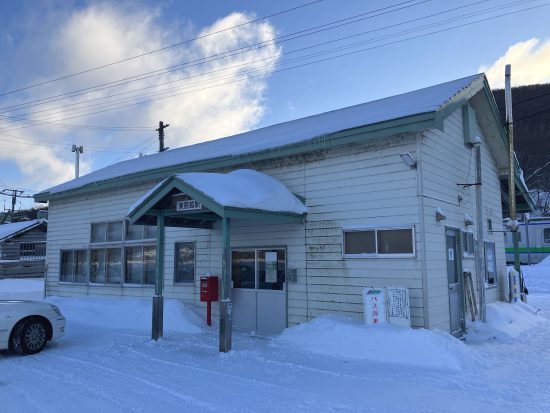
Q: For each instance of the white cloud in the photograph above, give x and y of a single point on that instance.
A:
(100, 34)
(530, 62)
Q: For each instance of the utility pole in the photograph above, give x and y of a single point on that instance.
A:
(77, 150)
(14, 194)
(511, 159)
(479, 243)
(160, 130)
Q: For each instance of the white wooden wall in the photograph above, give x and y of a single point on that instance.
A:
(446, 161)
(355, 185)
(360, 185)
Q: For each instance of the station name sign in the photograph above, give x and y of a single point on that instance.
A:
(188, 205)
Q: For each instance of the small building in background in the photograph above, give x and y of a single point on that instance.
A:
(23, 249)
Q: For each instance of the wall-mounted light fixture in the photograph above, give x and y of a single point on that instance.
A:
(440, 215)
(468, 220)
(408, 160)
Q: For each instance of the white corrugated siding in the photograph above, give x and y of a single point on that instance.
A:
(447, 161)
(365, 185)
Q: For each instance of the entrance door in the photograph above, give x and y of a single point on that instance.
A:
(259, 295)
(454, 266)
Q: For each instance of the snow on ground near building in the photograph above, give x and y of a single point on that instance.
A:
(107, 363)
(349, 338)
(537, 280)
(537, 277)
(22, 289)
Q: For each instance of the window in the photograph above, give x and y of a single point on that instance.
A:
(184, 263)
(468, 244)
(546, 235)
(489, 224)
(105, 265)
(490, 264)
(140, 264)
(119, 252)
(73, 266)
(106, 232)
(29, 251)
(140, 232)
(379, 242)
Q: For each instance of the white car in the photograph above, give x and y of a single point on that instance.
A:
(26, 326)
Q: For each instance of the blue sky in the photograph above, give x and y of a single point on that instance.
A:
(44, 40)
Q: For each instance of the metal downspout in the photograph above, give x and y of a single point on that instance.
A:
(419, 194)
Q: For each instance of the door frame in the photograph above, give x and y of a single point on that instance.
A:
(460, 276)
(256, 273)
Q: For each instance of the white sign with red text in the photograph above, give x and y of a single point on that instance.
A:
(374, 304)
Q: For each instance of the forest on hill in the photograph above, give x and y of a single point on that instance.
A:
(531, 112)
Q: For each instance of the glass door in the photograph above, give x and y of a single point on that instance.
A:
(258, 294)
(271, 269)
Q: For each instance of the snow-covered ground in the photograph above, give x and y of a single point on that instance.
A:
(107, 363)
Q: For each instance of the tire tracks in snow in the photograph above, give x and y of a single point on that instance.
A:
(162, 389)
(55, 374)
(279, 389)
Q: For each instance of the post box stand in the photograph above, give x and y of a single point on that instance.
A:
(209, 293)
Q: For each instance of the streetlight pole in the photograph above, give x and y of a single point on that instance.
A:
(77, 150)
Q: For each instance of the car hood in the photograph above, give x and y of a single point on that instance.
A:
(10, 304)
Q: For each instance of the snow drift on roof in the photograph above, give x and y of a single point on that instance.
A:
(243, 188)
(412, 103)
(8, 230)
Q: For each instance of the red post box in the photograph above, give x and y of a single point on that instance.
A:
(209, 293)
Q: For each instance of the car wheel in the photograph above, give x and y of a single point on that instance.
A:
(29, 337)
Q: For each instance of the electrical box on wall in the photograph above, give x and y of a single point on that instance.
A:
(291, 275)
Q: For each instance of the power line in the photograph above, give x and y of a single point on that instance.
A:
(51, 144)
(50, 124)
(532, 115)
(134, 149)
(161, 49)
(322, 60)
(226, 54)
(287, 53)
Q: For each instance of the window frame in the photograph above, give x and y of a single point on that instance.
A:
(106, 245)
(176, 256)
(465, 252)
(73, 273)
(138, 241)
(142, 246)
(377, 254)
(544, 239)
(105, 248)
(25, 249)
(485, 266)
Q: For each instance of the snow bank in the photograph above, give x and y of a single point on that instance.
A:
(505, 321)
(126, 313)
(349, 338)
(22, 289)
(537, 277)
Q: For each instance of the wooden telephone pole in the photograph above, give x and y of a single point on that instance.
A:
(160, 130)
(14, 193)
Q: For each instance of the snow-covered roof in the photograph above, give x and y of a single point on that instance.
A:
(8, 231)
(408, 104)
(243, 188)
